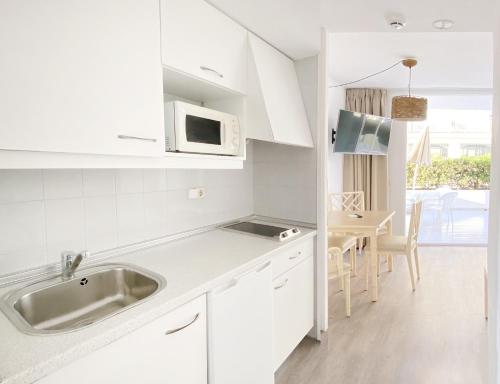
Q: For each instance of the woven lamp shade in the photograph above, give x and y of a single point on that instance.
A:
(409, 108)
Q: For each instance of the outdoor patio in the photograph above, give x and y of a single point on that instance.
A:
(452, 216)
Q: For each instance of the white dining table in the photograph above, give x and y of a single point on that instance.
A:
(367, 224)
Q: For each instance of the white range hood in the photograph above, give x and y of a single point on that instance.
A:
(275, 111)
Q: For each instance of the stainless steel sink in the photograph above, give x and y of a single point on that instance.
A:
(95, 293)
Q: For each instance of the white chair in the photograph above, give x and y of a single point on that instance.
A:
(345, 243)
(442, 207)
(337, 269)
(346, 201)
(391, 245)
(351, 202)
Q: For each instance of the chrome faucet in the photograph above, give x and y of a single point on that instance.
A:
(70, 262)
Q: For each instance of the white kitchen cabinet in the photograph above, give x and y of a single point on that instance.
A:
(240, 329)
(171, 349)
(275, 109)
(199, 40)
(81, 77)
(293, 308)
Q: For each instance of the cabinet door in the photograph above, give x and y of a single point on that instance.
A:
(240, 330)
(281, 97)
(75, 75)
(293, 309)
(200, 40)
(171, 349)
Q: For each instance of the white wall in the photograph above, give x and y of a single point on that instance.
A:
(494, 221)
(285, 176)
(336, 101)
(396, 161)
(43, 212)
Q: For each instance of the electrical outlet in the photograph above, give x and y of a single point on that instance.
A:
(197, 193)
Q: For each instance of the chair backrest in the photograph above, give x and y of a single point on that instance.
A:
(414, 228)
(346, 201)
(448, 199)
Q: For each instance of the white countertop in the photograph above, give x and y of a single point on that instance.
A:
(192, 266)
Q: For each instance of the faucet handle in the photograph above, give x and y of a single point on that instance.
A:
(67, 256)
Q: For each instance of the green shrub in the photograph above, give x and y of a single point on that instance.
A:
(461, 173)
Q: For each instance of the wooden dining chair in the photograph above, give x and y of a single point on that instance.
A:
(345, 243)
(350, 202)
(339, 270)
(391, 245)
(347, 201)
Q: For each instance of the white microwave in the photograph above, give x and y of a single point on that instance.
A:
(194, 129)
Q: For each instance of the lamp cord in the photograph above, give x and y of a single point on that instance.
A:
(409, 85)
(367, 77)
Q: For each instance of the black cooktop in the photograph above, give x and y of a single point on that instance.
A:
(264, 230)
(258, 229)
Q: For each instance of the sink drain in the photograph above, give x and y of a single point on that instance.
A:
(84, 281)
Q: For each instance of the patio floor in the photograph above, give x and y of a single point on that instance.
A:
(463, 220)
(465, 226)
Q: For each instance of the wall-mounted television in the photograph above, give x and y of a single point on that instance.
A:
(362, 134)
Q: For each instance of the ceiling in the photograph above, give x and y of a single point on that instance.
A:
(293, 26)
(373, 16)
(445, 60)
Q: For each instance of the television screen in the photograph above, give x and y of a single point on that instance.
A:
(360, 133)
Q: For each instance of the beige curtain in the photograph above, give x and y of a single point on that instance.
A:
(365, 172)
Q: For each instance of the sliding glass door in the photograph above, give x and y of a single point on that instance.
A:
(451, 173)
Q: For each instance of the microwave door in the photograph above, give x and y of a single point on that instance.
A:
(202, 135)
(200, 130)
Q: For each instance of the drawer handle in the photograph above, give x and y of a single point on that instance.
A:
(126, 137)
(281, 285)
(262, 267)
(203, 68)
(294, 257)
(171, 331)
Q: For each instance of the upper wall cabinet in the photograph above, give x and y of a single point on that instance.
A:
(81, 77)
(275, 110)
(200, 41)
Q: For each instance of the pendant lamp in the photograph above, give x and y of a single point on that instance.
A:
(409, 108)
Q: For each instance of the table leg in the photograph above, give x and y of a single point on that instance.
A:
(373, 267)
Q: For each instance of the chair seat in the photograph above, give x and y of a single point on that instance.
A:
(341, 242)
(391, 243)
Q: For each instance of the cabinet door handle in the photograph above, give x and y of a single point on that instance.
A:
(208, 69)
(281, 285)
(126, 137)
(170, 331)
(230, 285)
(262, 267)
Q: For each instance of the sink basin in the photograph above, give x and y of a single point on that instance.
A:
(95, 293)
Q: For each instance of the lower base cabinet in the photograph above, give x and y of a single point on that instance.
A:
(171, 349)
(293, 308)
(240, 329)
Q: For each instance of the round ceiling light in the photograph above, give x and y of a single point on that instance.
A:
(443, 24)
(397, 24)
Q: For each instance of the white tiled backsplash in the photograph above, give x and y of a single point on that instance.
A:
(285, 181)
(43, 212)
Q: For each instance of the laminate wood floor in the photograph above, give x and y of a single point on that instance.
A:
(436, 334)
